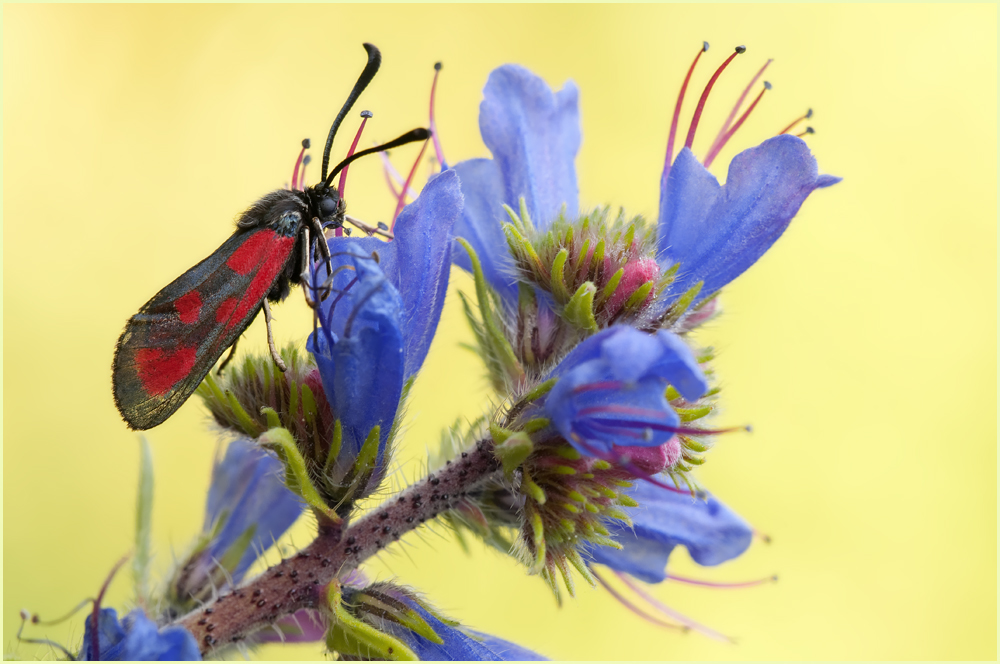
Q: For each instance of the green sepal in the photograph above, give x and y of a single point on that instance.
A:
(379, 604)
(297, 478)
(527, 311)
(529, 487)
(515, 448)
(336, 440)
(638, 296)
(535, 425)
(350, 636)
(579, 311)
(693, 445)
(692, 414)
(556, 283)
(273, 420)
(539, 390)
(597, 260)
(246, 423)
(498, 343)
(538, 539)
(143, 523)
(525, 217)
(678, 308)
(612, 285)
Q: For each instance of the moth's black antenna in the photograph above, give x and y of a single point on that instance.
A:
(409, 137)
(374, 62)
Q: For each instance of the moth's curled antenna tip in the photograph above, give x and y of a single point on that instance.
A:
(437, 66)
(767, 85)
(306, 159)
(367, 114)
(305, 143)
(741, 49)
(809, 114)
(704, 46)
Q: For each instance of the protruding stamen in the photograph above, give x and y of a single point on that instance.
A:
(797, 120)
(433, 123)
(704, 96)
(679, 617)
(392, 177)
(95, 617)
(809, 130)
(677, 114)
(729, 134)
(736, 108)
(298, 163)
(712, 584)
(632, 607)
(401, 200)
(354, 146)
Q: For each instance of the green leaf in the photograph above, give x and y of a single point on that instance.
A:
(143, 523)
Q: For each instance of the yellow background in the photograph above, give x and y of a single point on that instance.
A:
(861, 347)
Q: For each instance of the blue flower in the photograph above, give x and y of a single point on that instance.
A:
(248, 508)
(715, 232)
(459, 644)
(377, 325)
(710, 531)
(611, 390)
(137, 638)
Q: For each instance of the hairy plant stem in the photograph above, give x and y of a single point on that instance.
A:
(298, 582)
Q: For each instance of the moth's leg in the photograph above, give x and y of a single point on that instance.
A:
(232, 352)
(306, 276)
(324, 249)
(270, 338)
(380, 229)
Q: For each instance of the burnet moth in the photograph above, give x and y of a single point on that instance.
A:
(169, 347)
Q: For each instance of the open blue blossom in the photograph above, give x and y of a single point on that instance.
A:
(248, 508)
(715, 232)
(136, 638)
(376, 327)
(710, 531)
(460, 644)
(611, 389)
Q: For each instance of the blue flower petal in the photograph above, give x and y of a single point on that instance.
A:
(247, 486)
(359, 354)
(136, 638)
(534, 135)
(711, 532)
(480, 224)
(716, 233)
(417, 261)
(462, 645)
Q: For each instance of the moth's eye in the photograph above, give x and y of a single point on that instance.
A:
(327, 206)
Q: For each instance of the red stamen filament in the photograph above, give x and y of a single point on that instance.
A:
(807, 115)
(600, 385)
(298, 163)
(677, 114)
(712, 584)
(736, 108)
(401, 201)
(704, 97)
(809, 130)
(433, 123)
(632, 607)
(713, 153)
(357, 137)
(679, 617)
(393, 177)
(95, 617)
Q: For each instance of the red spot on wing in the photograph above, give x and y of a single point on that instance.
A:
(225, 310)
(160, 370)
(261, 283)
(252, 252)
(189, 307)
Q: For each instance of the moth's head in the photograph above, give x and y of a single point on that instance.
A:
(326, 204)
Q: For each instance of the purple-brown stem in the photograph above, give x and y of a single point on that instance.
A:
(298, 582)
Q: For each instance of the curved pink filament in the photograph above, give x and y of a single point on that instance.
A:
(713, 584)
(438, 152)
(736, 108)
(401, 201)
(295, 173)
(729, 134)
(677, 113)
(704, 97)
(679, 617)
(354, 146)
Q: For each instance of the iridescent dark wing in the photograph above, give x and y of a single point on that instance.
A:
(176, 338)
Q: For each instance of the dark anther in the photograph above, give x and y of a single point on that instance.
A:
(305, 143)
(435, 481)
(203, 621)
(437, 67)
(367, 114)
(387, 529)
(741, 49)
(209, 627)
(351, 540)
(257, 593)
(261, 603)
(383, 516)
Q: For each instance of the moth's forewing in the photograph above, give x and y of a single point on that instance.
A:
(176, 338)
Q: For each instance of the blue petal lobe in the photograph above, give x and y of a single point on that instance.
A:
(247, 487)
(716, 233)
(136, 638)
(481, 225)
(462, 645)
(534, 135)
(711, 532)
